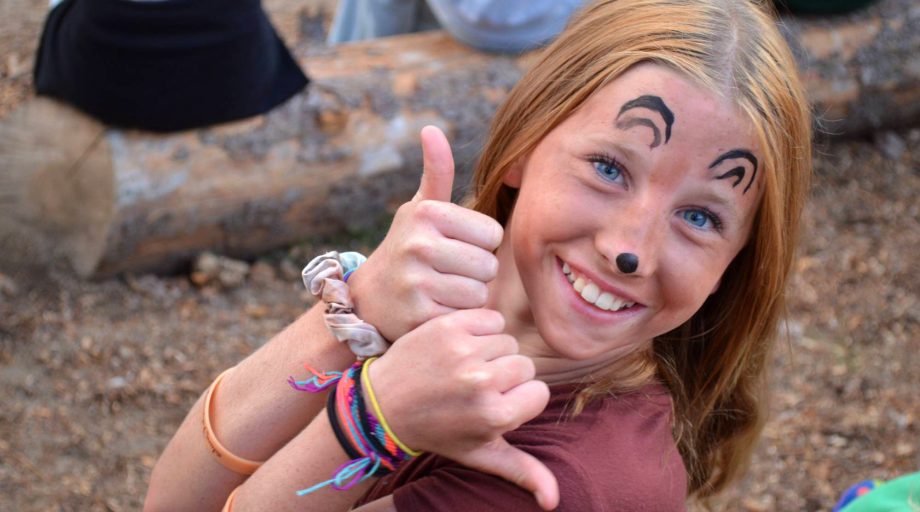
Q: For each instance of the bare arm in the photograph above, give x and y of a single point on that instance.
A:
(255, 413)
(452, 386)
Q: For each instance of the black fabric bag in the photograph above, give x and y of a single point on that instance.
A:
(165, 66)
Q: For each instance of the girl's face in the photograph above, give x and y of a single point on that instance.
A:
(653, 166)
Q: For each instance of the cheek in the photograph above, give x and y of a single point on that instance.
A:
(690, 281)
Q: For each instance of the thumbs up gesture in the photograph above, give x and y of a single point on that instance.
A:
(454, 386)
(436, 258)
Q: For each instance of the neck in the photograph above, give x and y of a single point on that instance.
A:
(508, 297)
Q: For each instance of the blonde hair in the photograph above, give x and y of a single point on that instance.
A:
(714, 364)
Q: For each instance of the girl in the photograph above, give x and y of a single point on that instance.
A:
(596, 328)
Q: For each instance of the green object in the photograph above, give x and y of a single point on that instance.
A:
(822, 6)
(900, 494)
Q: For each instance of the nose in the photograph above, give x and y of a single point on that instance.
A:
(627, 262)
(631, 240)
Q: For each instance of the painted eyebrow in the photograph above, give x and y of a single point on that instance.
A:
(652, 103)
(736, 172)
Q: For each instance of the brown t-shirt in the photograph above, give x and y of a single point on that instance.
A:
(617, 455)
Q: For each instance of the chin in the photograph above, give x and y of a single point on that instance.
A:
(576, 347)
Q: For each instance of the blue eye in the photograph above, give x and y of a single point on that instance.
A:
(703, 219)
(607, 168)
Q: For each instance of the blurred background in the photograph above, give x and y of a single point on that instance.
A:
(136, 266)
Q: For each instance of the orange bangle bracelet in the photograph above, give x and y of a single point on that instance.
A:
(228, 460)
(228, 507)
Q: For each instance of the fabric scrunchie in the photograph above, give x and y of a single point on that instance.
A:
(324, 277)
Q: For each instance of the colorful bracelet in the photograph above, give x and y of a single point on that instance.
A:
(325, 277)
(379, 414)
(230, 461)
(361, 431)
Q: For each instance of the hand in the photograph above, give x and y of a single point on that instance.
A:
(436, 258)
(454, 385)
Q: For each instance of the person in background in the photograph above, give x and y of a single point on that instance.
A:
(508, 26)
(164, 65)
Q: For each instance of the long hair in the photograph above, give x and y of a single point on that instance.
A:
(714, 364)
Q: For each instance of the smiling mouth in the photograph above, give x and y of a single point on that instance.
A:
(592, 294)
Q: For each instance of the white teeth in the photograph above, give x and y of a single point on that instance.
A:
(590, 292)
(604, 301)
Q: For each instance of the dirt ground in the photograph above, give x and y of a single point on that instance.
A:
(95, 377)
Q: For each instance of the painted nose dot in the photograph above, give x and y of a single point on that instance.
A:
(627, 262)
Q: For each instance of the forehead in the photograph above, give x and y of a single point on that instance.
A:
(666, 122)
(699, 115)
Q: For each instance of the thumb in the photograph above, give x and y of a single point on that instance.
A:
(518, 467)
(438, 166)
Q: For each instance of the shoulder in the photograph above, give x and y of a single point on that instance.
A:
(618, 455)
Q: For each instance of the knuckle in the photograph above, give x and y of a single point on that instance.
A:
(421, 248)
(512, 346)
(480, 294)
(527, 369)
(492, 318)
(496, 417)
(498, 232)
(460, 350)
(427, 209)
(477, 381)
(449, 323)
(490, 267)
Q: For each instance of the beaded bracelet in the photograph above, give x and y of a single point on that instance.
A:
(325, 276)
(230, 461)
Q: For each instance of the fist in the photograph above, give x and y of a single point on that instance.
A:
(436, 258)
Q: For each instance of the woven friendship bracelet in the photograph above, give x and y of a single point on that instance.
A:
(359, 428)
(324, 276)
(389, 435)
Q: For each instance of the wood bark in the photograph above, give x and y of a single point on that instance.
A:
(343, 153)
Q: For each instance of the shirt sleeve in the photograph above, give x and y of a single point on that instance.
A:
(454, 488)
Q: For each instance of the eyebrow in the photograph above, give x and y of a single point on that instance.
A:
(736, 172)
(651, 103)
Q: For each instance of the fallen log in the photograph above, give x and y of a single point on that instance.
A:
(333, 158)
(343, 153)
(862, 70)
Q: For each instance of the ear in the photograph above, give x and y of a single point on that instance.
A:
(515, 174)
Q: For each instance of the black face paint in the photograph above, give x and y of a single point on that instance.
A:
(627, 262)
(652, 103)
(737, 172)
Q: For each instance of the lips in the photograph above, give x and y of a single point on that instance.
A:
(591, 293)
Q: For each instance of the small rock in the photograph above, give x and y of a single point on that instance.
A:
(116, 383)
(262, 273)
(891, 145)
(227, 272)
(16, 66)
(8, 287)
(914, 135)
(289, 270)
(256, 310)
